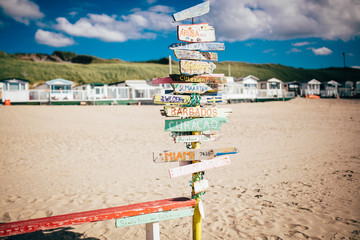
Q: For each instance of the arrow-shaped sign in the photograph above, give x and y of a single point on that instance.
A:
(196, 124)
(189, 67)
(192, 12)
(201, 32)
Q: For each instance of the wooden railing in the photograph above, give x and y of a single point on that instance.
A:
(122, 212)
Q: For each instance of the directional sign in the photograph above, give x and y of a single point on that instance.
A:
(196, 124)
(195, 11)
(205, 78)
(189, 67)
(200, 186)
(153, 217)
(171, 99)
(214, 46)
(197, 138)
(200, 166)
(196, 112)
(191, 88)
(200, 32)
(195, 55)
(191, 154)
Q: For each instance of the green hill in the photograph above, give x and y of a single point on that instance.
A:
(39, 68)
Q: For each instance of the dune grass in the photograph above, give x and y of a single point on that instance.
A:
(111, 72)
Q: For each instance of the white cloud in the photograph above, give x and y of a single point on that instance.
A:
(21, 10)
(294, 50)
(321, 51)
(300, 44)
(356, 67)
(151, 1)
(238, 20)
(52, 39)
(268, 50)
(137, 25)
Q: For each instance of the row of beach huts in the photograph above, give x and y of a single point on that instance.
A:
(249, 88)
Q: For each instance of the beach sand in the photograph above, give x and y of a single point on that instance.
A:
(296, 176)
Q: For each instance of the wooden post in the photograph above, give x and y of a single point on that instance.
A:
(170, 70)
(197, 215)
(153, 231)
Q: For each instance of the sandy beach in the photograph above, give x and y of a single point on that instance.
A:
(296, 176)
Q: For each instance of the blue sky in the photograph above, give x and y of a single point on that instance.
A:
(297, 33)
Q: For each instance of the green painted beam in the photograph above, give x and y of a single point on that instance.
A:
(153, 217)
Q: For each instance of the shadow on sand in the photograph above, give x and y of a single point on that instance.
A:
(55, 234)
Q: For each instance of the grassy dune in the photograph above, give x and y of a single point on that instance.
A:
(110, 72)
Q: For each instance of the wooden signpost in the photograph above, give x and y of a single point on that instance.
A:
(200, 166)
(171, 111)
(205, 78)
(194, 124)
(189, 67)
(214, 46)
(192, 121)
(195, 55)
(195, 11)
(191, 154)
(200, 32)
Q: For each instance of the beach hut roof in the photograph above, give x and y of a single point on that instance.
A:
(138, 84)
(17, 80)
(314, 81)
(251, 77)
(59, 81)
(274, 80)
(333, 82)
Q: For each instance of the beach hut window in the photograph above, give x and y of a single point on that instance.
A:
(139, 93)
(22, 86)
(13, 86)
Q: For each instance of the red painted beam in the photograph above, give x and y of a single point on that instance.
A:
(33, 225)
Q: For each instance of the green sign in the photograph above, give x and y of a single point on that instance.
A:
(194, 125)
(153, 217)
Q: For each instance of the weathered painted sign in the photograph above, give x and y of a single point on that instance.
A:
(153, 217)
(197, 138)
(171, 99)
(214, 46)
(200, 32)
(183, 88)
(189, 67)
(200, 166)
(192, 12)
(196, 124)
(205, 78)
(196, 112)
(200, 186)
(195, 55)
(191, 154)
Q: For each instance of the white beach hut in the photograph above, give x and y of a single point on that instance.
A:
(250, 84)
(91, 91)
(140, 90)
(347, 89)
(313, 87)
(14, 89)
(60, 89)
(271, 88)
(233, 90)
(329, 89)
